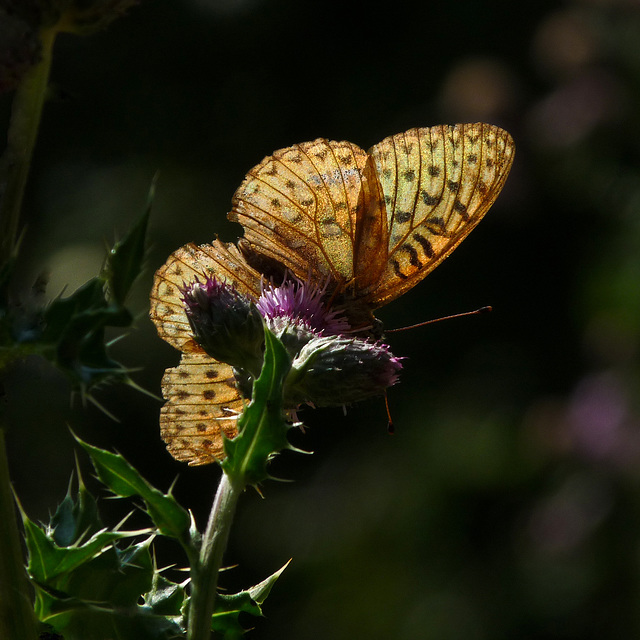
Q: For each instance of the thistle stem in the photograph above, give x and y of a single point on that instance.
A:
(204, 576)
(17, 620)
(26, 114)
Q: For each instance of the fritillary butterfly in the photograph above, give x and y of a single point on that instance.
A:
(370, 225)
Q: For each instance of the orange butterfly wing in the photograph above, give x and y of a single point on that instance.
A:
(436, 184)
(370, 226)
(300, 207)
(202, 399)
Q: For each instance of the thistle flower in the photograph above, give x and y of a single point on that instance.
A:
(295, 302)
(328, 367)
(225, 324)
(336, 370)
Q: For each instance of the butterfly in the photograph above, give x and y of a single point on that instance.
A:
(368, 225)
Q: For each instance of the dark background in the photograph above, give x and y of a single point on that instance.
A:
(507, 504)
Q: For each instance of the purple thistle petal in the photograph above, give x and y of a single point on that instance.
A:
(302, 303)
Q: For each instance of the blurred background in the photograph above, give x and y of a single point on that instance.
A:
(507, 504)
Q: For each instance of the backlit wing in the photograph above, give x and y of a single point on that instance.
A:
(218, 259)
(202, 399)
(299, 207)
(436, 185)
(202, 405)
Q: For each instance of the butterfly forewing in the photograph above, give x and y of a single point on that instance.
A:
(184, 266)
(437, 183)
(299, 207)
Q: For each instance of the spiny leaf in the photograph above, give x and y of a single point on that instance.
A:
(226, 615)
(77, 518)
(124, 263)
(165, 597)
(125, 481)
(262, 427)
(47, 559)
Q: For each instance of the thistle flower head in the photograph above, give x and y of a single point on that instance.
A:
(225, 323)
(337, 370)
(328, 367)
(295, 302)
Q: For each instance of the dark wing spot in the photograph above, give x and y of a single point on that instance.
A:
(387, 199)
(273, 170)
(201, 426)
(182, 395)
(183, 374)
(211, 373)
(453, 186)
(461, 209)
(297, 159)
(275, 203)
(489, 162)
(341, 206)
(290, 184)
(437, 226)
(472, 158)
(321, 155)
(387, 173)
(429, 200)
(209, 394)
(413, 255)
(345, 160)
(433, 170)
(409, 175)
(425, 244)
(306, 203)
(402, 216)
(396, 270)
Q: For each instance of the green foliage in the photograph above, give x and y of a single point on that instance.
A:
(229, 607)
(70, 331)
(125, 481)
(95, 583)
(87, 585)
(262, 428)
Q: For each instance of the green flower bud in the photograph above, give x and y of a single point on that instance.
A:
(225, 324)
(336, 370)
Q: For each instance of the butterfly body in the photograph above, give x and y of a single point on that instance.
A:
(366, 226)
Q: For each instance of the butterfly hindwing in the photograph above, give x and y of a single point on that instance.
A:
(202, 405)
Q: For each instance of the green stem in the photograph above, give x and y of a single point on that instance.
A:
(21, 139)
(17, 620)
(204, 576)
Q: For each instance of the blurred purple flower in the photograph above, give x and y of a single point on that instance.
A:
(600, 421)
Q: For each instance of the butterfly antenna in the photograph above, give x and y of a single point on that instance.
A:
(390, 428)
(476, 312)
